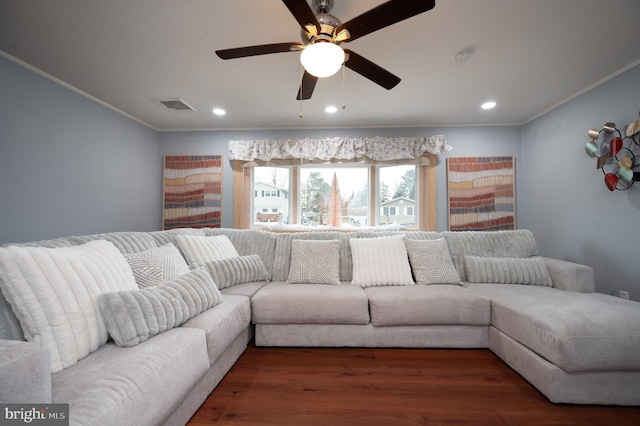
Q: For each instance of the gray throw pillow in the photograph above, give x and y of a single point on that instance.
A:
(157, 265)
(315, 262)
(236, 270)
(431, 262)
(507, 270)
(134, 316)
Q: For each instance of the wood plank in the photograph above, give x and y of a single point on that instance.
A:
(362, 386)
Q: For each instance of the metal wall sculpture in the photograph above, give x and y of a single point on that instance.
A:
(618, 157)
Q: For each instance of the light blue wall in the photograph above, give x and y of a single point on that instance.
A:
(566, 204)
(467, 141)
(70, 166)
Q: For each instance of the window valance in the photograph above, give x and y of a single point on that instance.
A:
(338, 148)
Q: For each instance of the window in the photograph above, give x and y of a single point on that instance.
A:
(316, 185)
(398, 188)
(389, 211)
(369, 194)
(270, 179)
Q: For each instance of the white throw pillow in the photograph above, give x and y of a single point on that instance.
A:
(315, 262)
(431, 262)
(157, 265)
(54, 291)
(380, 261)
(197, 249)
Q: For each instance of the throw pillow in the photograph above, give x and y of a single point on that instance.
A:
(315, 262)
(53, 293)
(431, 262)
(197, 249)
(134, 316)
(380, 261)
(507, 270)
(157, 265)
(237, 270)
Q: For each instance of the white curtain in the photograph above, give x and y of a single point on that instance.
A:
(328, 149)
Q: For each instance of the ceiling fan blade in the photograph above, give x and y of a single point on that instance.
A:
(301, 10)
(262, 49)
(369, 70)
(306, 86)
(382, 16)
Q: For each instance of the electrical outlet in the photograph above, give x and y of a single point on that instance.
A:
(624, 294)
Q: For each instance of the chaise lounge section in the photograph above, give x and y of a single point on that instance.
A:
(485, 290)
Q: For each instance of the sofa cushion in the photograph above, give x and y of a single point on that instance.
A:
(250, 241)
(380, 261)
(24, 373)
(156, 265)
(134, 316)
(236, 270)
(126, 242)
(246, 289)
(53, 293)
(519, 243)
(575, 331)
(222, 324)
(507, 270)
(314, 262)
(431, 262)
(427, 305)
(198, 250)
(169, 235)
(115, 385)
(280, 303)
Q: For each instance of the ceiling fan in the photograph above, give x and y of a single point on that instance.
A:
(323, 33)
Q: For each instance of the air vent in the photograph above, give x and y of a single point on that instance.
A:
(176, 105)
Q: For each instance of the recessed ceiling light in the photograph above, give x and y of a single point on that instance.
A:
(219, 111)
(488, 105)
(330, 109)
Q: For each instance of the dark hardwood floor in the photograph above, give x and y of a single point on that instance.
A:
(347, 386)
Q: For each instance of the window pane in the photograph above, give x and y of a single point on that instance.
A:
(272, 183)
(315, 194)
(397, 195)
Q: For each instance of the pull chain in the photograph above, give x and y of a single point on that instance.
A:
(344, 90)
(301, 89)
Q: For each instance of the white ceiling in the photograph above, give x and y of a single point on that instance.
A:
(528, 56)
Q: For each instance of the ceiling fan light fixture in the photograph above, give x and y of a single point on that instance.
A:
(322, 59)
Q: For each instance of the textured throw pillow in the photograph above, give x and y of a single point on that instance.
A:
(157, 265)
(380, 261)
(315, 262)
(134, 316)
(431, 262)
(53, 293)
(198, 249)
(237, 270)
(507, 270)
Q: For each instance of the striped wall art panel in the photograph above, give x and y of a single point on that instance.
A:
(481, 193)
(192, 191)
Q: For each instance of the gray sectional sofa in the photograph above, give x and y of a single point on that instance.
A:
(572, 344)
